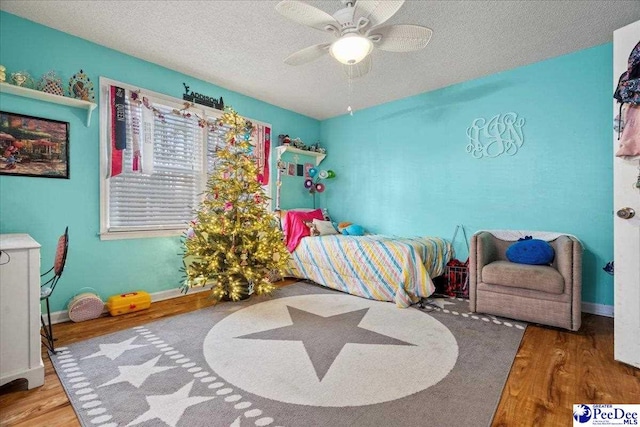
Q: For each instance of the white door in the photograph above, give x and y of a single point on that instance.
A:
(626, 224)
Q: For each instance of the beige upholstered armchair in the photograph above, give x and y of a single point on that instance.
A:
(550, 295)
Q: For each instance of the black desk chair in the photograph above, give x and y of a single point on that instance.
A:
(47, 287)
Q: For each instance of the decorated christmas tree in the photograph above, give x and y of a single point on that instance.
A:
(234, 244)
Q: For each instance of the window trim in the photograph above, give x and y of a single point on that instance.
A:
(105, 233)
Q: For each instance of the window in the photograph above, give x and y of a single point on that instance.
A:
(159, 198)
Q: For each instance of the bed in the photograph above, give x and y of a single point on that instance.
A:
(372, 266)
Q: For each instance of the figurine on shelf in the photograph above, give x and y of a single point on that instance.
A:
(81, 87)
(51, 83)
(297, 143)
(22, 78)
(286, 141)
(3, 74)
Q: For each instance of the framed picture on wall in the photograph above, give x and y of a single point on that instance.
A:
(33, 146)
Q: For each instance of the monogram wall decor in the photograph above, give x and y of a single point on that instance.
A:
(501, 134)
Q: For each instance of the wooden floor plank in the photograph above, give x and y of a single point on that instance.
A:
(59, 417)
(555, 369)
(552, 370)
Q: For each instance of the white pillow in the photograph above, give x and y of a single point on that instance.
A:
(324, 227)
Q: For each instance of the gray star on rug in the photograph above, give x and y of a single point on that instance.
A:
(319, 337)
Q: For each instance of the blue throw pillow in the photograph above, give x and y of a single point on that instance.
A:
(531, 251)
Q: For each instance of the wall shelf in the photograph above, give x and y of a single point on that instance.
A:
(48, 97)
(319, 157)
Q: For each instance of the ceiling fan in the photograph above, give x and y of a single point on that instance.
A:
(357, 28)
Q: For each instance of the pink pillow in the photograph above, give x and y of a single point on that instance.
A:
(296, 229)
(283, 218)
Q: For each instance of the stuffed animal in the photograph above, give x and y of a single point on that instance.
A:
(297, 143)
(341, 226)
(284, 140)
(353, 230)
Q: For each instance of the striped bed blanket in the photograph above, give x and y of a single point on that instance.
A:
(372, 266)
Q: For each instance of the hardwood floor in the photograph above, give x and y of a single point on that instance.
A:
(553, 370)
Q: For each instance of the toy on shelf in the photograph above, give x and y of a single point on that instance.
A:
(51, 83)
(23, 79)
(284, 140)
(81, 87)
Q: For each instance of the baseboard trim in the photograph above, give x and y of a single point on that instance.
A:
(599, 309)
(63, 315)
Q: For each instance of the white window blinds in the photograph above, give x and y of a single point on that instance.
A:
(166, 198)
(215, 141)
(160, 198)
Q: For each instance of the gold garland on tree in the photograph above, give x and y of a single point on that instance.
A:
(235, 244)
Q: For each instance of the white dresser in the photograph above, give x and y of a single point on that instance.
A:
(20, 355)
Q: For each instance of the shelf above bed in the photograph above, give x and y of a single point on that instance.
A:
(318, 157)
(48, 97)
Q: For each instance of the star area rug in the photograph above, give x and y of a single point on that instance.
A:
(307, 356)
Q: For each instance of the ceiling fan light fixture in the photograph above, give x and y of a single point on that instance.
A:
(351, 48)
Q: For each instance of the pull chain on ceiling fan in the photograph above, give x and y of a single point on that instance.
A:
(357, 28)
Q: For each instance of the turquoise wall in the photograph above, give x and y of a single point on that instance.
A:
(43, 207)
(403, 169)
(293, 194)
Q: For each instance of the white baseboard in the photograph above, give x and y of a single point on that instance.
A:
(599, 309)
(63, 315)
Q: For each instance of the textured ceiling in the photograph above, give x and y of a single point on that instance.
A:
(240, 45)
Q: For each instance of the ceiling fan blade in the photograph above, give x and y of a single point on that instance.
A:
(307, 54)
(358, 70)
(401, 38)
(306, 14)
(377, 12)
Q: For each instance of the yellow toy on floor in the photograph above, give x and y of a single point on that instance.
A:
(128, 303)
